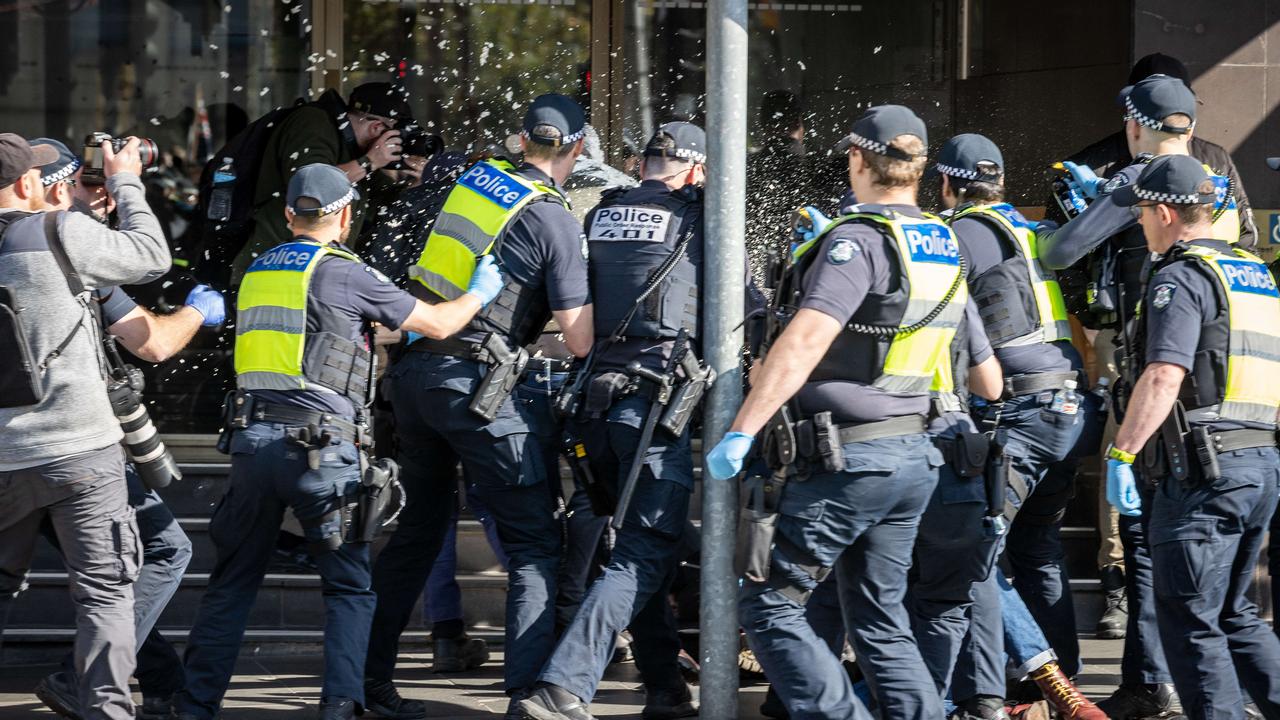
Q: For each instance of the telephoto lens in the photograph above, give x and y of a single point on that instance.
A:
(142, 443)
(92, 173)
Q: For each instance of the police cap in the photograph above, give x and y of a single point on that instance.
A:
(325, 187)
(680, 140)
(557, 111)
(970, 157)
(64, 167)
(382, 99)
(1171, 180)
(17, 157)
(879, 126)
(1151, 100)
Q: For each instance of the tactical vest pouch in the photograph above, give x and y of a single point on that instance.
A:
(1101, 292)
(1005, 302)
(602, 391)
(338, 364)
(968, 453)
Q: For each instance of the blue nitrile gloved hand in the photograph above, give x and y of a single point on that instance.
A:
(486, 281)
(1085, 178)
(1122, 488)
(725, 459)
(820, 223)
(209, 303)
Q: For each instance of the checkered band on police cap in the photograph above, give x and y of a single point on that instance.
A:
(1131, 112)
(958, 172)
(1164, 197)
(62, 174)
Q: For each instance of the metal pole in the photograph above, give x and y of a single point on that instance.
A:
(724, 293)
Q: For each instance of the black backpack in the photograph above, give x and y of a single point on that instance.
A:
(21, 374)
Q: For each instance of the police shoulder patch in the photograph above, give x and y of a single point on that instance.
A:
(842, 250)
(586, 253)
(1115, 183)
(376, 273)
(1162, 295)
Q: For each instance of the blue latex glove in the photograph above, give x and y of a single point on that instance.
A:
(725, 459)
(486, 281)
(820, 223)
(1122, 489)
(209, 303)
(1084, 178)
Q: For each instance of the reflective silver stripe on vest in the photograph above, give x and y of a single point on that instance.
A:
(904, 383)
(1249, 412)
(269, 381)
(463, 230)
(1254, 344)
(436, 282)
(1042, 335)
(271, 317)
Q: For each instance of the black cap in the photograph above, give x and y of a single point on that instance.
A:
(382, 99)
(1155, 98)
(64, 167)
(325, 186)
(879, 126)
(558, 111)
(1172, 180)
(1158, 64)
(17, 157)
(681, 140)
(970, 157)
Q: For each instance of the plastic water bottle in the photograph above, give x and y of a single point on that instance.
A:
(1066, 401)
(224, 182)
(1102, 389)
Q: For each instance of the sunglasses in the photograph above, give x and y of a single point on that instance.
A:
(1136, 210)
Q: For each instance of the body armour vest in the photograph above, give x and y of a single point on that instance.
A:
(273, 350)
(1019, 299)
(631, 234)
(873, 348)
(479, 209)
(1237, 359)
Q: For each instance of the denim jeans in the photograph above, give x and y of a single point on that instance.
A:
(1205, 539)
(268, 474)
(862, 522)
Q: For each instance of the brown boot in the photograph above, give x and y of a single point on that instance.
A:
(1063, 696)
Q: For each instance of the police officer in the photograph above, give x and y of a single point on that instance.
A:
(519, 213)
(843, 365)
(301, 369)
(1200, 427)
(633, 234)
(1026, 319)
(1160, 119)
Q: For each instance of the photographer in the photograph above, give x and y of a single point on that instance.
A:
(358, 137)
(59, 455)
(166, 550)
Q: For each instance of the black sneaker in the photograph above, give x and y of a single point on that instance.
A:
(981, 707)
(156, 707)
(1140, 702)
(550, 702)
(1115, 617)
(382, 699)
(458, 654)
(669, 704)
(60, 695)
(337, 709)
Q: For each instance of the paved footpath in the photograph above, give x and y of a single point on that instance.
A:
(280, 688)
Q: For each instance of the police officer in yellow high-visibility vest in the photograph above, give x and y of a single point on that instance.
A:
(450, 403)
(301, 361)
(1025, 318)
(880, 295)
(1200, 427)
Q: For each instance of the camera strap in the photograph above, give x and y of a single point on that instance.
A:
(74, 283)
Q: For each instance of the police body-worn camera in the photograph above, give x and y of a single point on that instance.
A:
(92, 173)
(142, 443)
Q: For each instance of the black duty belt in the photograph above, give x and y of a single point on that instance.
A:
(1228, 440)
(893, 427)
(452, 347)
(1027, 384)
(548, 365)
(301, 417)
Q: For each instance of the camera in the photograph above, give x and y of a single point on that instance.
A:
(416, 141)
(142, 443)
(92, 173)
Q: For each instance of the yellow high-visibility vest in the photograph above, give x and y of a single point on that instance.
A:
(271, 319)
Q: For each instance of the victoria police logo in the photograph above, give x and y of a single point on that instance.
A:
(1248, 277)
(842, 251)
(931, 243)
(1115, 184)
(1162, 295)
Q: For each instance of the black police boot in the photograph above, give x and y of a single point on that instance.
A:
(337, 709)
(669, 704)
(550, 702)
(772, 706)
(981, 707)
(382, 698)
(1140, 702)
(156, 707)
(60, 695)
(458, 654)
(1115, 618)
